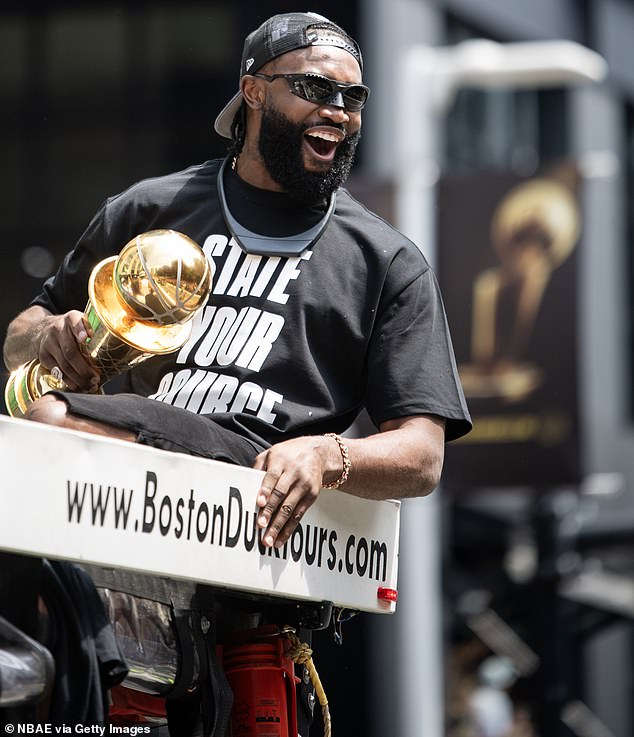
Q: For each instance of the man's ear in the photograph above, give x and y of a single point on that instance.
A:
(252, 92)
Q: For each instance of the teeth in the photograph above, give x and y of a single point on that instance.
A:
(325, 136)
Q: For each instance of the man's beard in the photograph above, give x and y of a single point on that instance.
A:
(280, 146)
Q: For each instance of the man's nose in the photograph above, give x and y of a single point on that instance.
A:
(334, 109)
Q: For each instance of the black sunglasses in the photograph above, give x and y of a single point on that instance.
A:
(318, 89)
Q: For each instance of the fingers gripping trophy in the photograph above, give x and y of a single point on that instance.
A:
(140, 304)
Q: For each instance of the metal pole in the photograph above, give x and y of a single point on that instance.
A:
(419, 632)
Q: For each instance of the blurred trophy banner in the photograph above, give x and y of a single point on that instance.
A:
(140, 304)
(534, 229)
(508, 249)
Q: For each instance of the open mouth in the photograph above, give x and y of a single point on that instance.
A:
(323, 142)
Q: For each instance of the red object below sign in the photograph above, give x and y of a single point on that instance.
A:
(262, 678)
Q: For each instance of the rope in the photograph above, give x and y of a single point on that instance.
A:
(300, 653)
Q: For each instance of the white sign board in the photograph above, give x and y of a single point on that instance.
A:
(82, 497)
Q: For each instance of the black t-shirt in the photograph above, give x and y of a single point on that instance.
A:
(285, 346)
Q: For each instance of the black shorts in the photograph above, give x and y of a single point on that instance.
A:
(163, 426)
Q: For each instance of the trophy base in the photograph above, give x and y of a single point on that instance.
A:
(26, 384)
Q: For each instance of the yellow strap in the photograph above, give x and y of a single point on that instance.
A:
(300, 653)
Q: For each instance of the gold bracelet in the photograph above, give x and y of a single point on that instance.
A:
(345, 457)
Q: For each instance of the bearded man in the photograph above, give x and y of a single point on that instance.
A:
(319, 308)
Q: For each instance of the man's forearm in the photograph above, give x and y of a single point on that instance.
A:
(404, 460)
(23, 336)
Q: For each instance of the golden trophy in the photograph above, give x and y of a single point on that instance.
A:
(140, 304)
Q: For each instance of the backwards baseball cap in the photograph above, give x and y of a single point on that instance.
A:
(279, 35)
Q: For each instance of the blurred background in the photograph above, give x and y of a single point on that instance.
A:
(526, 192)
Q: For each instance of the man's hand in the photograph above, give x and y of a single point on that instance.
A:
(54, 340)
(296, 470)
(404, 459)
(59, 345)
